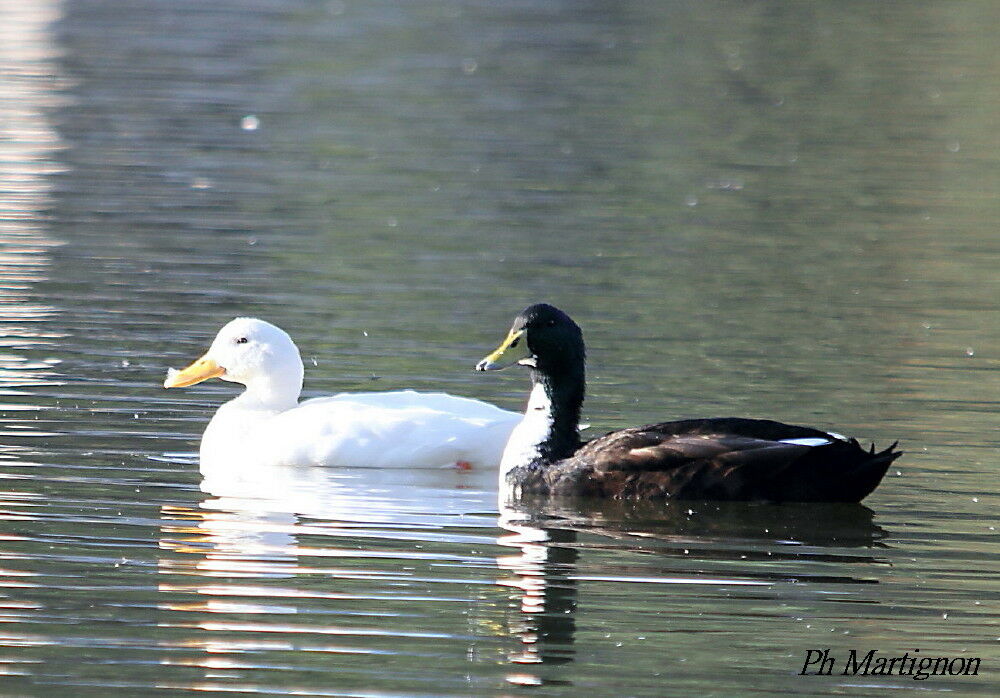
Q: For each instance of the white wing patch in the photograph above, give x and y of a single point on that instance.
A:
(813, 441)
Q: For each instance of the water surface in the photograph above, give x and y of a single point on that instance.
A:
(752, 209)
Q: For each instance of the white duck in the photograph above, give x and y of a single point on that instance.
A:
(267, 425)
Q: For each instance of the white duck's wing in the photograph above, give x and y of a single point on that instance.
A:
(394, 429)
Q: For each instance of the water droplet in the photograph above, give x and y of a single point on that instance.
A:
(469, 65)
(249, 123)
(954, 146)
(691, 200)
(392, 221)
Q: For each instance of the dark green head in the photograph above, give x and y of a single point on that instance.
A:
(542, 337)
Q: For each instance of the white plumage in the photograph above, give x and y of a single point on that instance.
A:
(266, 425)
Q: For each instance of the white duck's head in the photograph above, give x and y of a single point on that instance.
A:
(255, 353)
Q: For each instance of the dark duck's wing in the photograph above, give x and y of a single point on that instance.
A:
(725, 459)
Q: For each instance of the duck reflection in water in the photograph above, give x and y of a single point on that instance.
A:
(255, 515)
(249, 524)
(260, 526)
(544, 577)
(275, 557)
(695, 543)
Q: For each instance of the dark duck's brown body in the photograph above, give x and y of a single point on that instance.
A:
(722, 458)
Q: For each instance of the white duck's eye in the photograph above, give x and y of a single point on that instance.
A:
(241, 340)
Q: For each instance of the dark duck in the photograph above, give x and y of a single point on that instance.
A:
(725, 458)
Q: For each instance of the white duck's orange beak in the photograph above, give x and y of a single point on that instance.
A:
(201, 370)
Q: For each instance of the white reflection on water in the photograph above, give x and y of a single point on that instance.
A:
(250, 567)
(28, 147)
(249, 526)
(533, 569)
(253, 546)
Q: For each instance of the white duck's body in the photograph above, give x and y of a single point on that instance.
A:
(380, 430)
(266, 425)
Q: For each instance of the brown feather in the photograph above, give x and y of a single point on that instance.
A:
(724, 459)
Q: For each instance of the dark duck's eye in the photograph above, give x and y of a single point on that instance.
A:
(241, 340)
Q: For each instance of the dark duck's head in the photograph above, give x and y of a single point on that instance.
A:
(544, 338)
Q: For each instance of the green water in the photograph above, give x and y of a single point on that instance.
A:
(781, 210)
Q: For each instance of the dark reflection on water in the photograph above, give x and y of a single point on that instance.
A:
(736, 522)
(771, 560)
(762, 551)
(760, 209)
(544, 573)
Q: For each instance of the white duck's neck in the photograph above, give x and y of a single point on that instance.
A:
(229, 438)
(276, 392)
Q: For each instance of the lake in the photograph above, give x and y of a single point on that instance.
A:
(752, 209)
